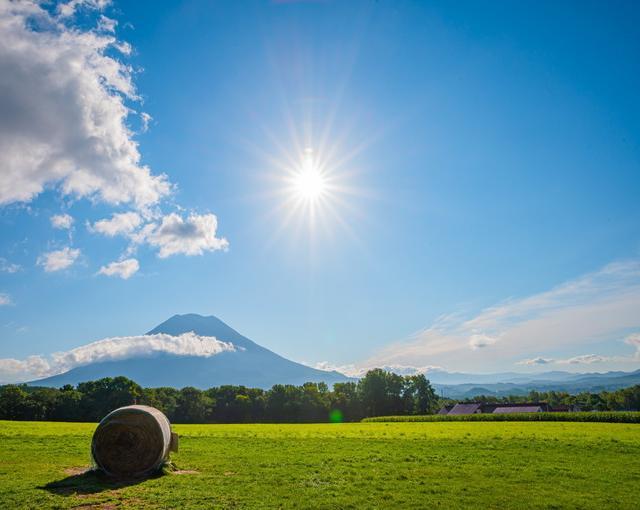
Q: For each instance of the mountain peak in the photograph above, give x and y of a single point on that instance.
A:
(179, 317)
(202, 325)
(192, 316)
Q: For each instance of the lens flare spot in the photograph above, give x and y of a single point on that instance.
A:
(335, 416)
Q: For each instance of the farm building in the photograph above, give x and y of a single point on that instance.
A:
(502, 408)
(517, 409)
(465, 409)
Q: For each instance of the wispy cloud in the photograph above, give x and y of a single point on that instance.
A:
(634, 341)
(8, 267)
(598, 307)
(585, 359)
(106, 24)
(588, 359)
(111, 349)
(5, 299)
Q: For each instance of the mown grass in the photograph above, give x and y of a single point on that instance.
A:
(360, 465)
(605, 417)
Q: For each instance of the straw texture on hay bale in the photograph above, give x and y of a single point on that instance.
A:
(133, 441)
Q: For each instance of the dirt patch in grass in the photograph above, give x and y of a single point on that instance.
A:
(73, 471)
(185, 472)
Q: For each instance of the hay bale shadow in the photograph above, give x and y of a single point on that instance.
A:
(91, 482)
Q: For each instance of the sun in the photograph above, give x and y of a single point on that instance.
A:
(312, 189)
(309, 183)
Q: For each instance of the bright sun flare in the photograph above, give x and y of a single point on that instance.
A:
(312, 188)
(309, 184)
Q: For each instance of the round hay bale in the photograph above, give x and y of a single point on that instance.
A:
(133, 441)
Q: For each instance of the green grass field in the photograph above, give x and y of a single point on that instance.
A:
(360, 465)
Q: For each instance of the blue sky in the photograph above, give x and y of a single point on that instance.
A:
(481, 207)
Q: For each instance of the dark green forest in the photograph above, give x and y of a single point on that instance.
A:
(378, 393)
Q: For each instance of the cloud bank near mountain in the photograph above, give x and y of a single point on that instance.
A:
(111, 349)
(353, 370)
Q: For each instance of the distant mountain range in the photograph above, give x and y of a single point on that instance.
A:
(459, 385)
(254, 366)
(249, 365)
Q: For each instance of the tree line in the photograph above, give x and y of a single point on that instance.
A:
(625, 399)
(377, 393)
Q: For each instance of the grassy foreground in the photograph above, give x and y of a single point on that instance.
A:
(358, 465)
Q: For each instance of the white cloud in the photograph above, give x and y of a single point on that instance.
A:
(193, 236)
(66, 100)
(478, 341)
(63, 111)
(171, 234)
(8, 267)
(62, 221)
(350, 370)
(536, 361)
(66, 9)
(58, 259)
(5, 299)
(119, 224)
(124, 268)
(405, 369)
(111, 349)
(353, 370)
(593, 309)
